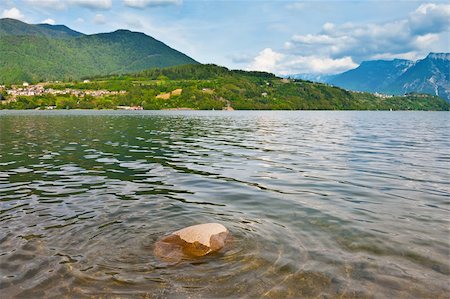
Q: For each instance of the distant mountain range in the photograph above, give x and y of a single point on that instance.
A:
(45, 52)
(430, 75)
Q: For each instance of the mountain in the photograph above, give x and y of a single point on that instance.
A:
(372, 76)
(430, 75)
(62, 30)
(46, 52)
(15, 27)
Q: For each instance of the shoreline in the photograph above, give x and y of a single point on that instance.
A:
(210, 110)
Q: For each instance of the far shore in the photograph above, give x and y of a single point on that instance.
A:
(209, 110)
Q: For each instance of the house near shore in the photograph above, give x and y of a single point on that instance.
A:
(130, 108)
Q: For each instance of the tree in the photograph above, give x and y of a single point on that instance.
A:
(66, 103)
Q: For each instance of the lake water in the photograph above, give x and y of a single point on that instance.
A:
(320, 204)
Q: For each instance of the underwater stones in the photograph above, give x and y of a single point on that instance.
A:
(194, 241)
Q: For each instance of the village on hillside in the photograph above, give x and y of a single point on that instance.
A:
(39, 89)
(29, 90)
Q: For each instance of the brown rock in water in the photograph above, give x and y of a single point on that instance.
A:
(197, 240)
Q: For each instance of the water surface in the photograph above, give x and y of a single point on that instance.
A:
(320, 204)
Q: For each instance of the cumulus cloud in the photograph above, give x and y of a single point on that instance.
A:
(93, 4)
(271, 61)
(428, 24)
(339, 47)
(316, 65)
(99, 19)
(13, 13)
(328, 27)
(48, 21)
(295, 6)
(390, 56)
(151, 3)
(267, 60)
(430, 18)
(61, 4)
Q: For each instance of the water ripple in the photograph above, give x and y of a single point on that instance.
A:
(320, 204)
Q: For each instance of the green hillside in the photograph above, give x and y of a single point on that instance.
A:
(214, 87)
(35, 53)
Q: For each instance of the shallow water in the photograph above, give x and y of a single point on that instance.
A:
(320, 204)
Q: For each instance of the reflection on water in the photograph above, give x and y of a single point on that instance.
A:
(320, 204)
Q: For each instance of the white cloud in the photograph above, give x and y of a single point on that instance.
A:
(284, 64)
(99, 19)
(151, 3)
(425, 41)
(295, 6)
(93, 4)
(48, 21)
(390, 56)
(321, 39)
(424, 30)
(267, 60)
(328, 27)
(61, 4)
(430, 18)
(316, 65)
(340, 47)
(13, 13)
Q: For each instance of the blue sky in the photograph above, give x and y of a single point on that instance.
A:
(284, 37)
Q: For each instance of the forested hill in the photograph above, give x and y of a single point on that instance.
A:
(212, 87)
(55, 52)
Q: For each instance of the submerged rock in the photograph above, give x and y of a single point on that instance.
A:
(197, 240)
